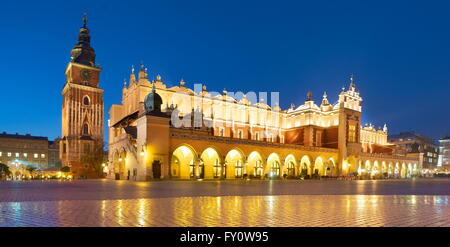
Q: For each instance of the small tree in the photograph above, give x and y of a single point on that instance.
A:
(94, 160)
(4, 170)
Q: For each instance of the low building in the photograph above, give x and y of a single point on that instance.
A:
(412, 142)
(28, 150)
(24, 149)
(444, 154)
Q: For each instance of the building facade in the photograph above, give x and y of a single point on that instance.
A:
(82, 107)
(160, 132)
(444, 154)
(411, 142)
(24, 150)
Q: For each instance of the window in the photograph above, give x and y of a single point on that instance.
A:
(64, 148)
(318, 138)
(1, 154)
(351, 133)
(275, 169)
(192, 169)
(9, 154)
(216, 169)
(85, 129)
(290, 169)
(43, 156)
(17, 155)
(86, 100)
(240, 134)
(238, 169)
(258, 169)
(36, 156)
(25, 155)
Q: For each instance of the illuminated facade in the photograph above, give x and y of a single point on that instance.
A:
(82, 107)
(180, 133)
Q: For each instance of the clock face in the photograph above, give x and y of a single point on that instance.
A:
(85, 74)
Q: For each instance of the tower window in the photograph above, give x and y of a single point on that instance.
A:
(85, 129)
(86, 100)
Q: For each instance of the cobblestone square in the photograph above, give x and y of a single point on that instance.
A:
(418, 202)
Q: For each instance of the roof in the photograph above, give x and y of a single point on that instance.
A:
(131, 130)
(413, 136)
(23, 137)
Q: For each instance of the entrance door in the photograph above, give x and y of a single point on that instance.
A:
(156, 168)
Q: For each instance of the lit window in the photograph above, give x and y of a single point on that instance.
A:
(1, 154)
(25, 155)
(9, 154)
(17, 155)
(43, 156)
(351, 133)
(36, 156)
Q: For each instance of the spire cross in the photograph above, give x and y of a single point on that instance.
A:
(84, 20)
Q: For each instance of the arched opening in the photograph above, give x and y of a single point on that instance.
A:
(384, 169)
(410, 170)
(351, 166)
(255, 165)
(390, 170)
(305, 166)
(273, 168)
(330, 168)
(403, 171)
(86, 100)
(318, 167)
(367, 168)
(183, 163)
(209, 162)
(290, 165)
(375, 172)
(235, 167)
(397, 170)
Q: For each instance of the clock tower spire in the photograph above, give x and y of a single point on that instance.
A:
(82, 107)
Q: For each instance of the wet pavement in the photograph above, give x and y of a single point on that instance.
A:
(419, 202)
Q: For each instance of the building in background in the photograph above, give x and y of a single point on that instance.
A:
(53, 154)
(444, 154)
(412, 142)
(82, 106)
(25, 150)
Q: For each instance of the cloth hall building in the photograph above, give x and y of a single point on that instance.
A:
(224, 137)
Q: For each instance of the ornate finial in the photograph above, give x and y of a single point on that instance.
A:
(204, 88)
(224, 91)
(325, 100)
(343, 88)
(292, 106)
(132, 68)
(324, 95)
(124, 82)
(309, 94)
(182, 82)
(85, 20)
(352, 82)
(142, 65)
(158, 77)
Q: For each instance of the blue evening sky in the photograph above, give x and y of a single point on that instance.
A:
(399, 52)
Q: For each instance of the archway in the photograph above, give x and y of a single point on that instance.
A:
(367, 168)
(235, 167)
(397, 170)
(255, 165)
(116, 165)
(375, 171)
(403, 171)
(410, 170)
(209, 166)
(383, 169)
(183, 163)
(273, 168)
(123, 173)
(330, 168)
(305, 166)
(390, 170)
(318, 167)
(290, 165)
